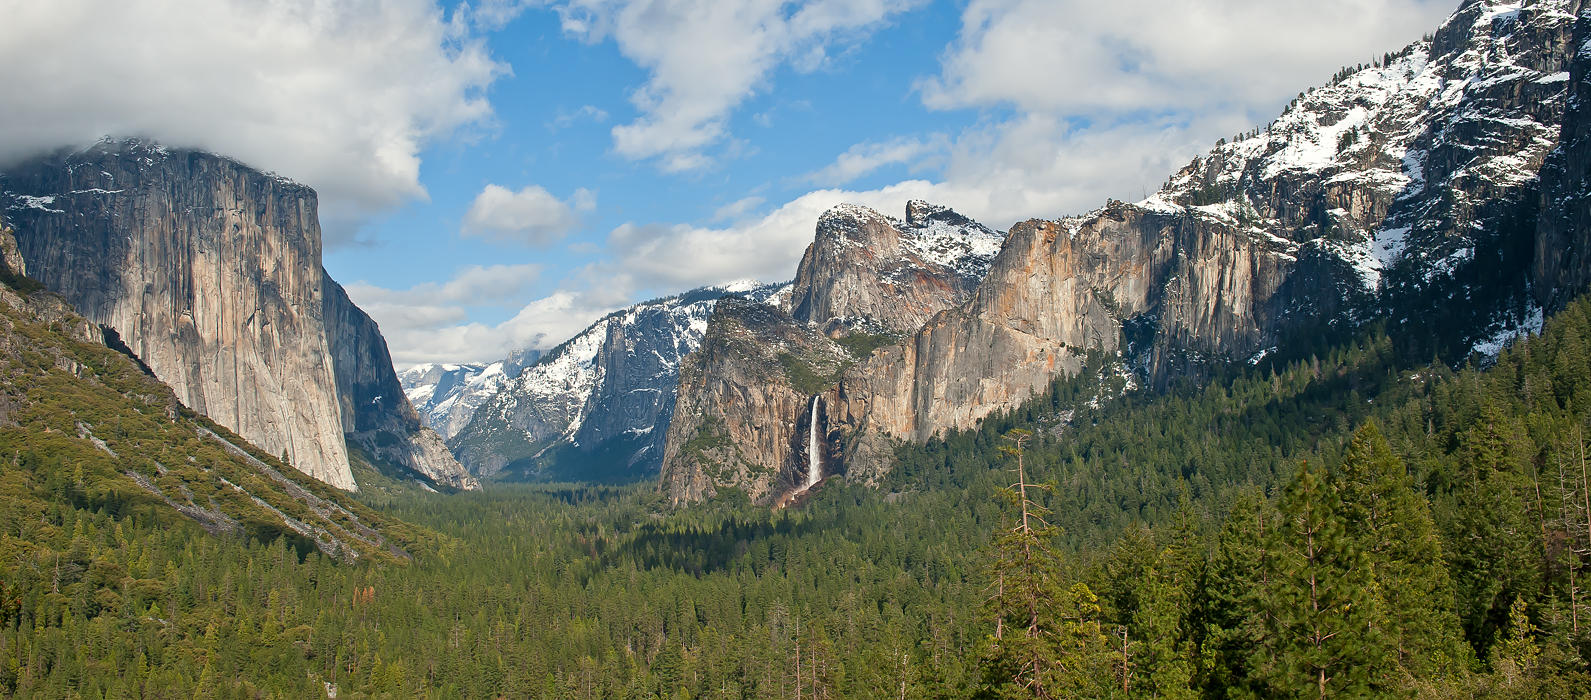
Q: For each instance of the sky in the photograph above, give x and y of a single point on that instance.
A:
(496, 175)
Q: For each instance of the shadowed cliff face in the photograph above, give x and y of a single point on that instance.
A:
(209, 271)
(1562, 264)
(376, 414)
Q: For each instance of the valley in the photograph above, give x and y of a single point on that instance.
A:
(1309, 419)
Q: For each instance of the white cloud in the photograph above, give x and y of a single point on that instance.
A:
(737, 209)
(1035, 167)
(1089, 57)
(705, 57)
(864, 158)
(430, 322)
(341, 96)
(532, 215)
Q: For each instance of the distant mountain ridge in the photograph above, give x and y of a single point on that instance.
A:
(597, 406)
(446, 395)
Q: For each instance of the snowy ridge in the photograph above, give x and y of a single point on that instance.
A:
(1436, 118)
(447, 395)
(931, 236)
(615, 380)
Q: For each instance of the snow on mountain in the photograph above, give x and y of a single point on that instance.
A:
(600, 397)
(1414, 171)
(447, 395)
(869, 272)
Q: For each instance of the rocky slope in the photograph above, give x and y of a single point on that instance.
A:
(1405, 189)
(598, 406)
(447, 395)
(210, 272)
(868, 272)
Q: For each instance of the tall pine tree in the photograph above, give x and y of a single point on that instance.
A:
(1325, 632)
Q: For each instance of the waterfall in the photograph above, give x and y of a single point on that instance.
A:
(814, 463)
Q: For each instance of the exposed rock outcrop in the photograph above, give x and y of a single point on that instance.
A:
(11, 262)
(1386, 194)
(745, 399)
(208, 270)
(868, 272)
(376, 415)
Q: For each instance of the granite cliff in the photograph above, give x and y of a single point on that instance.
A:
(210, 272)
(1392, 192)
(868, 272)
(744, 414)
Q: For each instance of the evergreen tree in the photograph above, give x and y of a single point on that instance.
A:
(1391, 526)
(1231, 599)
(1047, 641)
(1324, 628)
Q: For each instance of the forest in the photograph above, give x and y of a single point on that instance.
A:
(1342, 522)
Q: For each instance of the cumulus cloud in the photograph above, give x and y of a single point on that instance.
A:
(532, 215)
(430, 322)
(341, 96)
(705, 57)
(1088, 57)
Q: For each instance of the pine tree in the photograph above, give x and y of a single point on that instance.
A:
(1324, 628)
(1499, 553)
(1391, 525)
(1047, 642)
(1231, 598)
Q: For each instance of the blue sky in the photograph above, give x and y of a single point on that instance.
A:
(496, 175)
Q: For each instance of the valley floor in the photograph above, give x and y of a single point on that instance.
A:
(1247, 537)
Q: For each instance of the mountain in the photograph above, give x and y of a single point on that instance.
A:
(446, 395)
(746, 416)
(1404, 191)
(868, 272)
(599, 405)
(210, 271)
(376, 414)
(84, 425)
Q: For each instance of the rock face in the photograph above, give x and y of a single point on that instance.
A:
(1562, 264)
(599, 405)
(447, 395)
(210, 272)
(1386, 194)
(745, 403)
(11, 261)
(376, 415)
(744, 410)
(867, 272)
